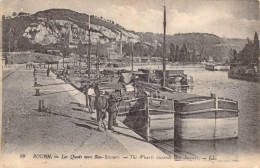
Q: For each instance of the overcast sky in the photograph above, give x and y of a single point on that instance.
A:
(225, 18)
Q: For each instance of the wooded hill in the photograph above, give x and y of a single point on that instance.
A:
(47, 30)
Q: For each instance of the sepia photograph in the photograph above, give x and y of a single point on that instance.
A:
(130, 83)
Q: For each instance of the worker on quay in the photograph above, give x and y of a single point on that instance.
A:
(34, 71)
(112, 111)
(101, 105)
(91, 98)
(48, 71)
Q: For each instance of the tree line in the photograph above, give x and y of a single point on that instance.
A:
(249, 54)
(183, 54)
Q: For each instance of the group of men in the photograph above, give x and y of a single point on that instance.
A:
(102, 104)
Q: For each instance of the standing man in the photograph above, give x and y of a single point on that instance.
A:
(48, 71)
(34, 71)
(112, 111)
(101, 107)
(91, 98)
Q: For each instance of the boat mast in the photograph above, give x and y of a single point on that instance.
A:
(164, 47)
(89, 46)
(97, 61)
(132, 57)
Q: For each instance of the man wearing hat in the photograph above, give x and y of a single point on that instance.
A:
(112, 110)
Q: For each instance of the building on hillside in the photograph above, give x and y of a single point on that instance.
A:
(72, 46)
(23, 14)
(53, 52)
(156, 59)
(145, 59)
(136, 59)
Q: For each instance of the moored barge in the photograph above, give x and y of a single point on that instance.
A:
(216, 67)
(193, 117)
(206, 118)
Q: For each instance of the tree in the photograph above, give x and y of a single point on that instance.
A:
(14, 14)
(38, 48)
(81, 49)
(23, 44)
(172, 52)
(233, 56)
(177, 54)
(256, 49)
(246, 55)
(193, 56)
(184, 54)
(65, 49)
(158, 52)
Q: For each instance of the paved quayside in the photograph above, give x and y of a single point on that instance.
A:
(65, 128)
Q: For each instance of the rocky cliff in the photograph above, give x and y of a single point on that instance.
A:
(54, 25)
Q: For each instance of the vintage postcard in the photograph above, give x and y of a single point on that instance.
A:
(130, 83)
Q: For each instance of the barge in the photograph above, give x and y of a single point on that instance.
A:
(216, 67)
(163, 114)
(206, 118)
(175, 79)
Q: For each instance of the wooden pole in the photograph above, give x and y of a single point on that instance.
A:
(6, 61)
(164, 47)
(132, 57)
(109, 56)
(121, 45)
(79, 64)
(97, 62)
(63, 59)
(89, 46)
(148, 119)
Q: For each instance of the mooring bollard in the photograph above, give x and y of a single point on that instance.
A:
(41, 106)
(37, 91)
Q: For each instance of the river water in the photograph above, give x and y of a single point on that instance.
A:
(248, 96)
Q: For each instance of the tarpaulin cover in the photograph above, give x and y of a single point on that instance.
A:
(126, 78)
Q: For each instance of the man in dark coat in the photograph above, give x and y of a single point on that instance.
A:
(48, 72)
(101, 104)
(112, 111)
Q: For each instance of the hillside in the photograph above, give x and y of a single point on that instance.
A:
(53, 25)
(203, 43)
(53, 28)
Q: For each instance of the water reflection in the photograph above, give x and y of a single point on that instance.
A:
(185, 89)
(220, 150)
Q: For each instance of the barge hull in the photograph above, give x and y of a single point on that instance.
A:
(246, 77)
(206, 129)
